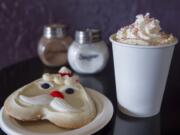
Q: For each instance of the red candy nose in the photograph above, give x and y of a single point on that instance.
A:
(66, 74)
(57, 94)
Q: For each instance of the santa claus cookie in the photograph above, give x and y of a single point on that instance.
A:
(59, 98)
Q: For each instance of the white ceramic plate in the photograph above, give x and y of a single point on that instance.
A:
(104, 115)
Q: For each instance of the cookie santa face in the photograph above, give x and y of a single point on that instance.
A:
(59, 98)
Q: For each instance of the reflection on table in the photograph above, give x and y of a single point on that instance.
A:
(137, 126)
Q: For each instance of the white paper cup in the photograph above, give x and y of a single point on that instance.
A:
(140, 73)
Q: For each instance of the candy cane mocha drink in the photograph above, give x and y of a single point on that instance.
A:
(142, 55)
(144, 31)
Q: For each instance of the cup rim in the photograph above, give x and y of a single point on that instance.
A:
(140, 46)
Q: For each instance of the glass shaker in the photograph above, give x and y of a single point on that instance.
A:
(53, 45)
(88, 54)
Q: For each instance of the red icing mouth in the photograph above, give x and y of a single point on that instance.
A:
(66, 74)
(57, 94)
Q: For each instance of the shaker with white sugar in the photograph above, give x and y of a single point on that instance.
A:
(88, 54)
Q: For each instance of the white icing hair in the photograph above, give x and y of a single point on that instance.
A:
(58, 79)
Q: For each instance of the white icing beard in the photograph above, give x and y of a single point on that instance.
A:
(46, 100)
(62, 106)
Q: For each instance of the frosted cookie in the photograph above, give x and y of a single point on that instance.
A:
(59, 98)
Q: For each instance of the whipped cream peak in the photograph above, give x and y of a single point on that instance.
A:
(144, 31)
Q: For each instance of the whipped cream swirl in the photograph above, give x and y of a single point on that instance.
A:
(144, 31)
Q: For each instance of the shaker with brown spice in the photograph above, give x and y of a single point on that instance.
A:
(53, 45)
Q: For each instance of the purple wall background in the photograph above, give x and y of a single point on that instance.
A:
(21, 21)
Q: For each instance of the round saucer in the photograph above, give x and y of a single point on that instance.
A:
(104, 114)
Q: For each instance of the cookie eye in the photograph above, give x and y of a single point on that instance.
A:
(45, 85)
(69, 90)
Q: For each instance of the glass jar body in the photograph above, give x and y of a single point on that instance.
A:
(53, 51)
(88, 58)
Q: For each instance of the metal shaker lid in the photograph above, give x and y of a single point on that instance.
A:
(54, 30)
(87, 36)
(82, 36)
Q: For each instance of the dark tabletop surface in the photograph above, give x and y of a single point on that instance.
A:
(165, 123)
